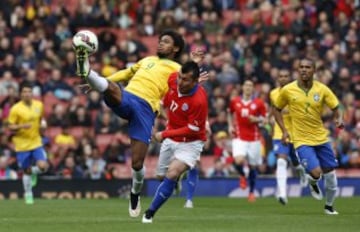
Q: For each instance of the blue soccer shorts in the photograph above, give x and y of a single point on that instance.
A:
(26, 158)
(285, 149)
(139, 114)
(312, 157)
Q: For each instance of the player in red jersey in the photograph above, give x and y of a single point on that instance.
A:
(185, 133)
(245, 114)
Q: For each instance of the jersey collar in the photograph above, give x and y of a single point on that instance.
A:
(192, 91)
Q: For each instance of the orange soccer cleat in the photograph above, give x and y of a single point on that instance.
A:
(243, 182)
(251, 197)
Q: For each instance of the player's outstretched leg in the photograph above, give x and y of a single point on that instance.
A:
(281, 178)
(330, 192)
(242, 179)
(302, 175)
(28, 194)
(137, 183)
(163, 193)
(252, 180)
(191, 181)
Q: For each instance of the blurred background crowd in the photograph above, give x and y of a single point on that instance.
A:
(242, 38)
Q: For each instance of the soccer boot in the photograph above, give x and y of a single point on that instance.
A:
(29, 199)
(147, 217)
(243, 182)
(34, 179)
(330, 210)
(189, 204)
(134, 205)
(316, 191)
(282, 200)
(82, 62)
(251, 198)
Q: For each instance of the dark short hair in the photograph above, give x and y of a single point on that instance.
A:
(25, 84)
(191, 66)
(178, 41)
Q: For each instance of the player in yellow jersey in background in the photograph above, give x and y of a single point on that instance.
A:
(284, 151)
(25, 120)
(305, 99)
(139, 101)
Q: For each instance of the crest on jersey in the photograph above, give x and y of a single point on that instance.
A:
(316, 97)
(185, 107)
(253, 106)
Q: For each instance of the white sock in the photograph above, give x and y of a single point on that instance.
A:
(300, 170)
(331, 185)
(35, 170)
(26, 179)
(137, 180)
(281, 176)
(97, 82)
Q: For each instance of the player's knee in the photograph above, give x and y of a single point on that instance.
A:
(137, 165)
(172, 174)
(43, 166)
(316, 173)
(113, 95)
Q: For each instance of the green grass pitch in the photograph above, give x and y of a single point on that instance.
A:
(209, 214)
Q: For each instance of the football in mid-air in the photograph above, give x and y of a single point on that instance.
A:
(87, 39)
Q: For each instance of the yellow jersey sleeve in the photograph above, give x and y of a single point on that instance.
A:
(125, 74)
(30, 138)
(330, 99)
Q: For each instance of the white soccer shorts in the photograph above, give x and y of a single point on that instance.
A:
(250, 150)
(187, 152)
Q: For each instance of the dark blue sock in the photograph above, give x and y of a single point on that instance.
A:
(192, 178)
(239, 169)
(163, 192)
(252, 178)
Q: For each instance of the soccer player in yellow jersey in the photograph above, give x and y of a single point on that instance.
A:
(25, 120)
(139, 101)
(284, 151)
(305, 99)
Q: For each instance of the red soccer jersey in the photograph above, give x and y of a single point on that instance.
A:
(244, 129)
(188, 112)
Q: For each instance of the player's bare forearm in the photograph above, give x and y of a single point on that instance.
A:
(338, 117)
(279, 120)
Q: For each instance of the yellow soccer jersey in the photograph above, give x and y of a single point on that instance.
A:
(149, 79)
(20, 113)
(274, 94)
(305, 110)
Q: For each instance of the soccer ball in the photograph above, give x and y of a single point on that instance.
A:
(87, 39)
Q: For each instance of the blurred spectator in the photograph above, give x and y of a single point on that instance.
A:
(65, 139)
(58, 116)
(218, 170)
(96, 165)
(8, 101)
(57, 86)
(8, 64)
(7, 82)
(70, 170)
(6, 173)
(81, 117)
(116, 152)
(106, 122)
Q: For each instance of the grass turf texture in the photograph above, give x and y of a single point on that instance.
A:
(209, 214)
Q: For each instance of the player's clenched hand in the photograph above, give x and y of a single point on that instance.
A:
(197, 55)
(158, 137)
(285, 137)
(339, 123)
(204, 76)
(86, 88)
